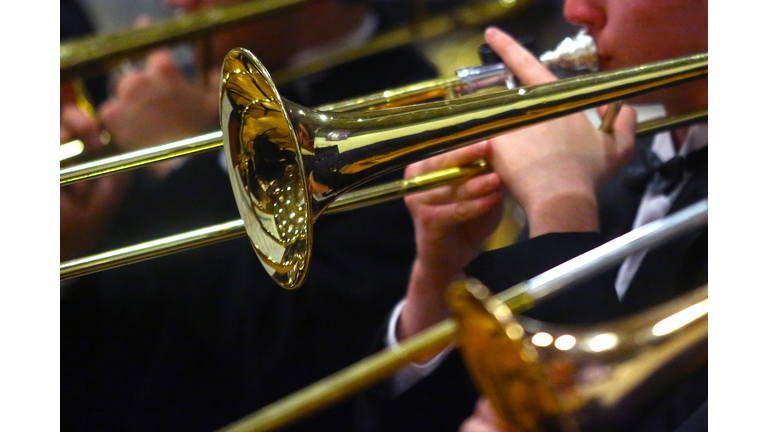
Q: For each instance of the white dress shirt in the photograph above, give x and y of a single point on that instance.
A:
(655, 203)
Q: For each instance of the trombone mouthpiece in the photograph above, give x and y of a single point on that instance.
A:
(576, 53)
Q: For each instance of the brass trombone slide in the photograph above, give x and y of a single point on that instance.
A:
(212, 141)
(349, 201)
(83, 54)
(518, 298)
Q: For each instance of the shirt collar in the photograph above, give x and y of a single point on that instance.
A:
(664, 147)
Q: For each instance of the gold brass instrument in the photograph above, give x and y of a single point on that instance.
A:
(288, 163)
(694, 65)
(516, 299)
(541, 376)
(576, 53)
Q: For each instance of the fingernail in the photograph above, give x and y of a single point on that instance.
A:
(493, 182)
(481, 147)
(491, 32)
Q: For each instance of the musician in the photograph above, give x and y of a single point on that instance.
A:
(579, 188)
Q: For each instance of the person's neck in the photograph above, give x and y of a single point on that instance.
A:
(679, 136)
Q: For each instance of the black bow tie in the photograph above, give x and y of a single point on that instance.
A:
(671, 172)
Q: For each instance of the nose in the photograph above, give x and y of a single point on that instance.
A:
(585, 13)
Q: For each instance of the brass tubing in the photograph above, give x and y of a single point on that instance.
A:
(139, 158)
(349, 201)
(151, 249)
(347, 382)
(654, 126)
(518, 298)
(83, 54)
(611, 113)
(400, 188)
(211, 141)
(406, 95)
(234, 229)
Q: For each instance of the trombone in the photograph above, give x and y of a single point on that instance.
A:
(676, 330)
(288, 163)
(576, 53)
(509, 109)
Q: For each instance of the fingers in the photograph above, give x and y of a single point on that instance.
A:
(463, 156)
(471, 189)
(456, 213)
(624, 132)
(521, 62)
(75, 124)
(130, 83)
(623, 128)
(484, 419)
(484, 410)
(159, 65)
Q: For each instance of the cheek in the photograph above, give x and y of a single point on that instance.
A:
(649, 31)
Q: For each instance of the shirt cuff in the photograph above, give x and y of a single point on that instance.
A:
(411, 374)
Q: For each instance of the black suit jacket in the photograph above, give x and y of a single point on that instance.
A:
(198, 339)
(446, 397)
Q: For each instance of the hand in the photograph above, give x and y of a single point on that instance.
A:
(554, 169)
(158, 105)
(484, 420)
(451, 224)
(85, 207)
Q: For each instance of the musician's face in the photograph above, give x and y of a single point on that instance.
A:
(633, 32)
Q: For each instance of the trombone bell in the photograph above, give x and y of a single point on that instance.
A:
(541, 376)
(266, 171)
